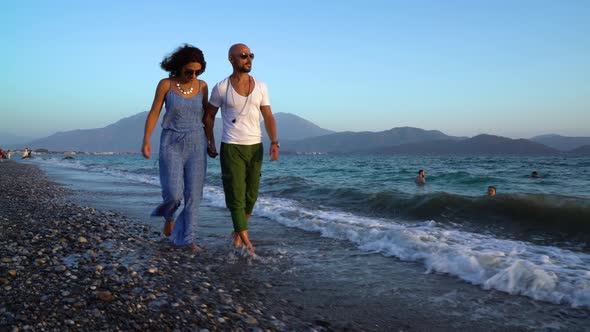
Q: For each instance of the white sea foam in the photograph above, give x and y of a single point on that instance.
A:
(540, 272)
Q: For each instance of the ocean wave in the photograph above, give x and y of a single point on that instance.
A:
(542, 211)
(143, 175)
(541, 272)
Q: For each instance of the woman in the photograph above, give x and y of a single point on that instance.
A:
(183, 144)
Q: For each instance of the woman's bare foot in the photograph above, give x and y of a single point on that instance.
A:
(195, 248)
(168, 226)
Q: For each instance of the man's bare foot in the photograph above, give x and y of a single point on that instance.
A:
(195, 248)
(243, 235)
(237, 240)
(168, 226)
(251, 250)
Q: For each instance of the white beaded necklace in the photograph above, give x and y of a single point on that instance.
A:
(185, 92)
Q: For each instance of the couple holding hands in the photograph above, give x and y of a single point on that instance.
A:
(187, 137)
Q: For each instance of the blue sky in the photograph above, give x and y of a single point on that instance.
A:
(511, 68)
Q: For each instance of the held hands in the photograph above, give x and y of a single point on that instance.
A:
(146, 150)
(211, 150)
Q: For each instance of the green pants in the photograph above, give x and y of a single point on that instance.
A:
(240, 172)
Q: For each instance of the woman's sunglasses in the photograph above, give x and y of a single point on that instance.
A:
(190, 72)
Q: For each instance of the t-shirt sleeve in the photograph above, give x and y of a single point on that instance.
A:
(215, 99)
(265, 97)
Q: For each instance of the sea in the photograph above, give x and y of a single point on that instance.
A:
(358, 226)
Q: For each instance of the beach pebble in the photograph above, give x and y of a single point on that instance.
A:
(105, 296)
(60, 268)
(251, 320)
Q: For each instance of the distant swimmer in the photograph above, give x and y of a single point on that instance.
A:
(421, 178)
(535, 175)
(491, 191)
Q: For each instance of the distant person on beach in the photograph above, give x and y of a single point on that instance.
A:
(8, 154)
(182, 153)
(26, 153)
(244, 102)
(2, 155)
(535, 175)
(421, 178)
(491, 191)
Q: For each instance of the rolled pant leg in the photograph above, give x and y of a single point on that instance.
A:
(233, 175)
(195, 168)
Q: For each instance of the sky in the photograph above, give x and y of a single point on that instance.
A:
(504, 67)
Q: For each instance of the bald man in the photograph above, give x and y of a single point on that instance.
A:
(244, 102)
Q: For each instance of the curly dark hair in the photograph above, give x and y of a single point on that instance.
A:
(184, 54)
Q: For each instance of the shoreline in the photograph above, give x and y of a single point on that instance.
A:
(65, 266)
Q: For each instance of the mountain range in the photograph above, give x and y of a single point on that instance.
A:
(562, 143)
(298, 135)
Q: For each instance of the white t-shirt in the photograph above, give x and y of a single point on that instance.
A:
(241, 115)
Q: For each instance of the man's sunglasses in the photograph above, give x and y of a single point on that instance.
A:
(246, 55)
(190, 72)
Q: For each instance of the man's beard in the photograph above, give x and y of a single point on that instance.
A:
(244, 69)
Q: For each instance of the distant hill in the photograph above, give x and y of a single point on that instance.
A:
(350, 142)
(562, 143)
(581, 151)
(481, 144)
(293, 127)
(11, 141)
(298, 135)
(126, 135)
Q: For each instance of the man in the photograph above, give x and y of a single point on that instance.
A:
(244, 101)
(421, 178)
(491, 191)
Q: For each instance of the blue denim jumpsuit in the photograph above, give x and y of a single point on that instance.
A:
(183, 164)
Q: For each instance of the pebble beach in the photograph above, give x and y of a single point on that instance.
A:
(70, 267)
